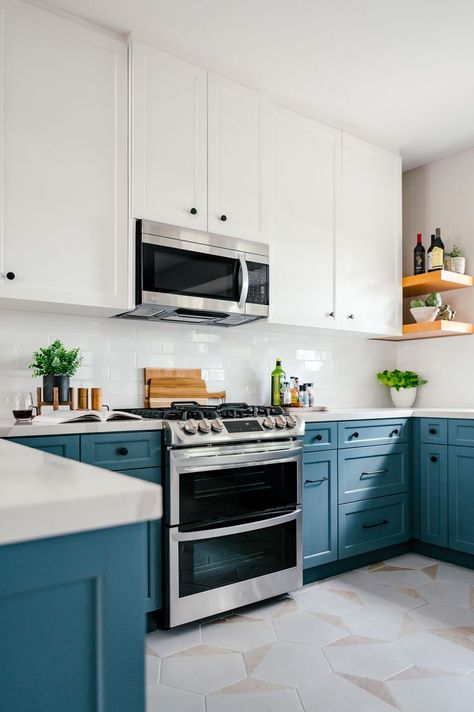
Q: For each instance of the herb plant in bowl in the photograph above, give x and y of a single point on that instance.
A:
(403, 386)
(56, 364)
(426, 310)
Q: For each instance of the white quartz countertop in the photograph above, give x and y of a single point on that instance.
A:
(43, 495)
(382, 413)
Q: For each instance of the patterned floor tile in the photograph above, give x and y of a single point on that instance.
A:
(352, 581)
(376, 660)
(380, 622)
(326, 600)
(412, 561)
(168, 642)
(334, 693)
(240, 633)
(152, 669)
(456, 574)
(440, 694)
(168, 699)
(403, 599)
(432, 651)
(202, 673)
(267, 611)
(439, 616)
(291, 664)
(407, 578)
(308, 628)
(261, 701)
(447, 592)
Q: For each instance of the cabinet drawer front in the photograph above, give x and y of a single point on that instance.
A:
(319, 508)
(435, 431)
(461, 432)
(372, 472)
(122, 451)
(63, 445)
(373, 524)
(320, 436)
(357, 433)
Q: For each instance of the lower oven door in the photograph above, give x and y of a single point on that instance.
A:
(214, 571)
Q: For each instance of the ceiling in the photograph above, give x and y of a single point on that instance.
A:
(397, 72)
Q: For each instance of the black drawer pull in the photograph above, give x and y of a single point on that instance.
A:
(374, 472)
(432, 431)
(319, 436)
(193, 211)
(316, 482)
(394, 432)
(433, 458)
(376, 524)
(123, 451)
(355, 435)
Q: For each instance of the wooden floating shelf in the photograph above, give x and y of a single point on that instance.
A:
(432, 330)
(439, 281)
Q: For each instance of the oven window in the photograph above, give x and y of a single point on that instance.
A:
(193, 274)
(211, 497)
(206, 564)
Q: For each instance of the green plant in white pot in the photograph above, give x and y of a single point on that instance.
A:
(403, 386)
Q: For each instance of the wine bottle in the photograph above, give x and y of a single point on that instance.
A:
(419, 256)
(429, 254)
(437, 251)
(278, 378)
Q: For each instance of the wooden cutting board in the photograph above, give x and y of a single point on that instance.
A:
(164, 385)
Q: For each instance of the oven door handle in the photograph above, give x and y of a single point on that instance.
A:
(234, 465)
(237, 529)
(245, 280)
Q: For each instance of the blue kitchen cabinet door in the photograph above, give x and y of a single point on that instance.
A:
(72, 626)
(319, 508)
(63, 445)
(154, 559)
(122, 450)
(433, 494)
(461, 499)
(375, 471)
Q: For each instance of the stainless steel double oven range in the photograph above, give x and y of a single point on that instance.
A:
(232, 509)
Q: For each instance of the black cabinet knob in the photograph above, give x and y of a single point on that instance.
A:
(123, 451)
(319, 437)
(355, 435)
(394, 432)
(332, 315)
(223, 218)
(434, 458)
(350, 316)
(432, 431)
(10, 275)
(193, 211)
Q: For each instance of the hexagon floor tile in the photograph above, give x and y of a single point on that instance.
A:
(239, 633)
(202, 673)
(333, 693)
(304, 627)
(374, 660)
(262, 701)
(291, 664)
(168, 699)
(440, 694)
(432, 651)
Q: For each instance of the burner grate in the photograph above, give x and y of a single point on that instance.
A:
(183, 410)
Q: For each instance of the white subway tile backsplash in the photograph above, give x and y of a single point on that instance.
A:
(239, 360)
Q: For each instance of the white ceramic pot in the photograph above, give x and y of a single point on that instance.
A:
(458, 264)
(423, 314)
(404, 398)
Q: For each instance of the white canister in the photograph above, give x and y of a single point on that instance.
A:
(404, 398)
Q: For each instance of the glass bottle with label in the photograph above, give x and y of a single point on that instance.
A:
(278, 379)
(287, 395)
(419, 256)
(310, 392)
(436, 252)
(294, 391)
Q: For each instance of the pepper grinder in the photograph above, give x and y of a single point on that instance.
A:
(82, 399)
(96, 398)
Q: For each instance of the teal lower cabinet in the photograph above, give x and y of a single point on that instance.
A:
(433, 494)
(374, 471)
(153, 595)
(461, 498)
(373, 524)
(72, 633)
(319, 508)
(62, 445)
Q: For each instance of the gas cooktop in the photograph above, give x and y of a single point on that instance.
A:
(185, 410)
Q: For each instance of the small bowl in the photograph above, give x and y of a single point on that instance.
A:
(423, 314)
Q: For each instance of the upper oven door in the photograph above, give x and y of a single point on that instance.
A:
(217, 487)
(195, 275)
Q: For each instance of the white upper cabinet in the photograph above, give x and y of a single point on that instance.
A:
(304, 185)
(369, 239)
(169, 138)
(64, 201)
(235, 180)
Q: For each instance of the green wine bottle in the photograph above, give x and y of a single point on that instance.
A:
(278, 378)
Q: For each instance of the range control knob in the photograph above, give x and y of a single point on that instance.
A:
(204, 425)
(280, 421)
(291, 421)
(269, 422)
(191, 426)
(217, 425)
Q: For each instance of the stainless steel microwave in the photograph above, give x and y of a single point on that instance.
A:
(189, 276)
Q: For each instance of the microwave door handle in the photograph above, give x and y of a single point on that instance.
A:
(245, 280)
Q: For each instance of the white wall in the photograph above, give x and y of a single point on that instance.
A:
(441, 194)
(239, 360)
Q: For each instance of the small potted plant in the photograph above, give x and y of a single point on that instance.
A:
(455, 261)
(403, 386)
(56, 364)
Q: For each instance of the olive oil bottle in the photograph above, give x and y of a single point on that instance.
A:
(278, 379)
